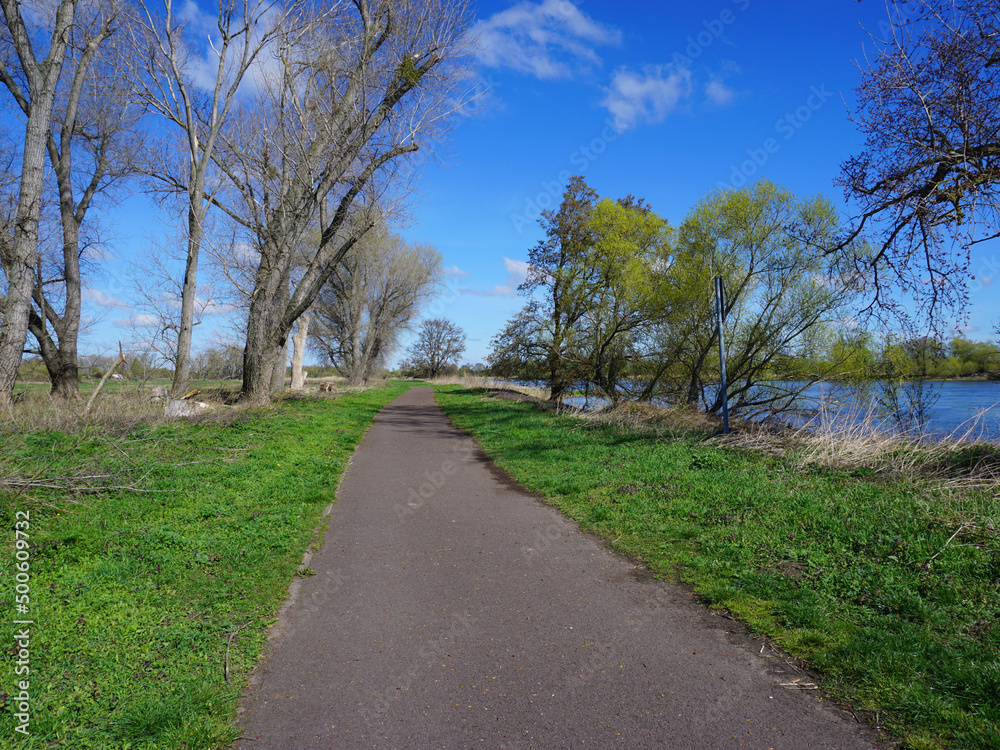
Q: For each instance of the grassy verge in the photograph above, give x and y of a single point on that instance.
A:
(870, 580)
(157, 557)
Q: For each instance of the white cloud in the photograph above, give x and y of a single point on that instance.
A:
(548, 40)
(202, 39)
(518, 270)
(719, 93)
(212, 307)
(139, 320)
(102, 298)
(499, 290)
(647, 97)
(97, 253)
(455, 272)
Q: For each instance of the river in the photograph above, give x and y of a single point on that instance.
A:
(956, 407)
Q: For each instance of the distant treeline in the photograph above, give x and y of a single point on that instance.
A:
(866, 356)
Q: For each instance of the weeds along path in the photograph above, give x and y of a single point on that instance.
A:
(452, 609)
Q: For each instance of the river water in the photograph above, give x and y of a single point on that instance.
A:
(956, 408)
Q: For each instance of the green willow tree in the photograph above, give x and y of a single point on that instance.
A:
(627, 269)
(623, 302)
(773, 251)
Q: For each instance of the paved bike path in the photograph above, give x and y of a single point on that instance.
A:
(450, 609)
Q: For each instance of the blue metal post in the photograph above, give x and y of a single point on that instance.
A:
(720, 310)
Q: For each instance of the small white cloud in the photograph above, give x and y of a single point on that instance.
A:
(548, 40)
(647, 97)
(986, 280)
(211, 307)
(719, 93)
(102, 298)
(139, 320)
(518, 269)
(455, 272)
(97, 253)
(499, 290)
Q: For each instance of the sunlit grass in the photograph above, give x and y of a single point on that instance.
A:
(158, 555)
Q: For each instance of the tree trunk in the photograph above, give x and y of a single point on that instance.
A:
(356, 374)
(298, 353)
(556, 384)
(66, 377)
(257, 371)
(264, 345)
(20, 270)
(279, 367)
(182, 366)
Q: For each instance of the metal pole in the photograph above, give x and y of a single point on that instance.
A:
(720, 310)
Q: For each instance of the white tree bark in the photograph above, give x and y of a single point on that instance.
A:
(299, 352)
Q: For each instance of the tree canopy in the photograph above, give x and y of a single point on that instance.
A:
(622, 302)
(927, 179)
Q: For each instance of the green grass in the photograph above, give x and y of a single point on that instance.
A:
(137, 595)
(851, 573)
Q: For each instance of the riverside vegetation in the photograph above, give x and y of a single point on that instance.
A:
(875, 562)
(159, 554)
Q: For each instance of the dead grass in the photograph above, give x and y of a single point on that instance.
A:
(680, 421)
(113, 411)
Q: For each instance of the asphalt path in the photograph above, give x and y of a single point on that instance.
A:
(451, 609)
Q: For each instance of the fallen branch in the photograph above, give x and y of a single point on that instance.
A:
(107, 375)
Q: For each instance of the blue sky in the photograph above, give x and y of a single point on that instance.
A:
(664, 100)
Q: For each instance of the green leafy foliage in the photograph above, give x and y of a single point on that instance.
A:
(620, 300)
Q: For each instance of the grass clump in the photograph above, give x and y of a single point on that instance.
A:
(866, 577)
(159, 553)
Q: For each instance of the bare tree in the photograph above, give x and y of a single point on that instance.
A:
(439, 344)
(158, 291)
(90, 148)
(927, 181)
(41, 77)
(165, 75)
(345, 96)
(371, 298)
